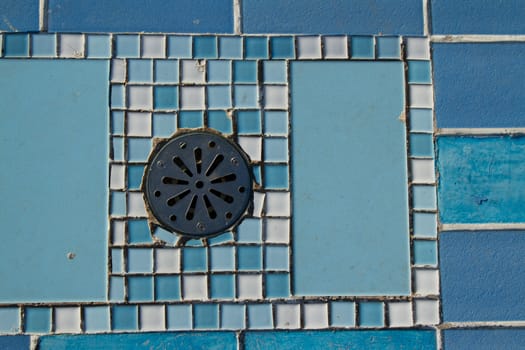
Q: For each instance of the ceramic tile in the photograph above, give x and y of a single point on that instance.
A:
(37, 319)
(9, 320)
(19, 15)
(166, 71)
(249, 286)
(315, 316)
(423, 171)
(71, 45)
(167, 288)
(335, 47)
(165, 97)
(233, 316)
(124, 317)
(118, 70)
(194, 259)
(425, 252)
(127, 46)
(43, 45)
(277, 230)
(206, 316)
(276, 258)
(67, 319)
(342, 314)
(179, 317)
(167, 260)
(362, 47)
(277, 285)
(218, 97)
(220, 120)
(426, 312)
(252, 146)
(164, 124)
(116, 289)
(140, 97)
(274, 72)
(288, 316)
(417, 49)
(205, 47)
(249, 122)
(16, 45)
(371, 314)
(179, 46)
(96, 319)
(222, 258)
(153, 46)
(152, 318)
(193, 71)
(309, 47)
(245, 96)
(140, 71)
(276, 97)
(219, 71)
(194, 287)
(256, 47)
(421, 96)
(135, 173)
(222, 286)
(426, 282)
(249, 258)
(245, 71)
(230, 47)
(260, 316)
(140, 260)
(98, 46)
(388, 47)
(282, 47)
(400, 314)
(192, 97)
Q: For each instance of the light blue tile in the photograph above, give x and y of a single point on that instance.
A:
(249, 258)
(222, 258)
(138, 149)
(98, 46)
(342, 314)
(276, 150)
(277, 285)
(117, 96)
(244, 71)
(219, 71)
(276, 176)
(191, 119)
(371, 314)
(16, 45)
(164, 125)
(249, 231)
(127, 46)
(421, 120)
(43, 45)
(222, 286)
(167, 288)
(118, 203)
(260, 316)
(37, 319)
(362, 47)
(219, 97)
(117, 260)
(194, 259)
(140, 288)
(256, 47)
(424, 197)
(179, 46)
(204, 47)
(117, 148)
(230, 47)
(419, 72)
(388, 47)
(140, 260)
(257, 174)
(179, 317)
(124, 318)
(249, 122)
(425, 252)
(277, 258)
(276, 123)
(138, 231)
(140, 70)
(9, 320)
(167, 71)
(425, 225)
(245, 96)
(282, 47)
(421, 145)
(135, 173)
(218, 120)
(96, 319)
(274, 71)
(165, 97)
(116, 289)
(117, 122)
(206, 316)
(226, 237)
(232, 316)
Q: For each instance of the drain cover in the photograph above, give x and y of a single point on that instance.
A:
(198, 184)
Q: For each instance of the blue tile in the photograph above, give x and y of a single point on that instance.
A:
(478, 17)
(244, 71)
(127, 46)
(37, 319)
(421, 145)
(118, 203)
(220, 239)
(277, 285)
(282, 47)
(257, 173)
(256, 47)
(116, 289)
(484, 338)
(117, 96)
(9, 320)
(179, 316)
(179, 16)
(222, 258)
(16, 45)
(249, 122)
(230, 47)
(260, 316)
(479, 85)
(333, 17)
(276, 123)
(274, 71)
(167, 71)
(362, 47)
(249, 258)
(361, 208)
(424, 197)
(276, 258)
(371, 314)
(138, 231)
(19, 15)
(167, 288)
(140, 288)
(342, 314)
(219, 71)
(194, 259)
(191, 119)
(249, 231)
(116, 260)
(245, 96)
(47, 274)
(205, 47)
(16, 342)
(140, 260)
(275, 176)
(425, 252)
(162, 340)
(96, 318)
(218, 120)
(135, 173)
(232, 316)
(138, 149)
(222, 286)
(219, 97)
(206, 316)
(165, 97)
(419, 72)
(421, 120)
(481, 179)
(388, 47)
(98, 46)
(357, 339)
(276, 150)
(43, 45)
(124, 318)
(140, 70)
(425, 224)
(179, 46)
(164, 125)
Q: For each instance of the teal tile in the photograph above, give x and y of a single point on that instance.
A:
(164, 125)
(16, 45)
(249, 122)
(274, 71)
(179, 317)
(260, 316)
(219, 121)
(135, 173)
(244, 71)
(191, 119)
(342, 314)
(276, 150)
(219, 97)
(140, 288)
(425, 225)
(371, 314)
(250, 231)
(127, 46)
(257, 174)
(167, 288)
(206, 316)
(245, 96)
(256, 47)
(282, 47)
(219, 71)
(276, 258)
(167, 71)
(232, 316)
(222, 258)
(138, 231)
(204, 47)
(96, 319)
(124, 318)
(362, 47)
(421, 120)
(116, 289)
(140, 260)
(277, 285)
(230, 47)
(276, 123)
(249, 258)
(118, 203)
(194, 259)
(37, 320)
(222, 286)
(9, 320)
(165, 97)
(117, 122)
(43, 45)
(425, 252)
(140, 70)
(138, 149)
(419, 72)
(98, 46)
(276, 176)
(179, 46)
(421, 145)
(388, 47)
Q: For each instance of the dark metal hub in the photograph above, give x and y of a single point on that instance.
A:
(198, 184)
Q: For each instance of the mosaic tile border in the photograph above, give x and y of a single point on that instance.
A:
(262, 311)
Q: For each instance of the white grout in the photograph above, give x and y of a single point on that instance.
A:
(426, 22)
(480, 131)
(42, 15)
(237, 17)
(481, 227)
(452, 325)
(471, 38)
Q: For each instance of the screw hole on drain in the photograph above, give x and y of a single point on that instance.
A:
(199, 184)
(173, 218)
(211, 144)
(157, 193)
(229, 215)
(242, 189)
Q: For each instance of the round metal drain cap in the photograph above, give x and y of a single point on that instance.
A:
(198, 184)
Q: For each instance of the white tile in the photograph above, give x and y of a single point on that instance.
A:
(140, 97)
(152, 318)
(72, 45)
(192, 97)
(421, 96)
(118, 71)
(277, 204)
(258, 203)
(167, 260)
(288, 316)
(193, 71)
(139, 124)
(417, 49)
(427, 282)
(252, 146)
(315, 316)
(136, 205)
(117, 232)
(67, 320)
(336, 47)
(309, 47)
(250, 286)
(427, 312)
(194, 288)
(276, 97)
(423, 171)
(117, 179)
(153, 46)
(277, 230)
(400, 314)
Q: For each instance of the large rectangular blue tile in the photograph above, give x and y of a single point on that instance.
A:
(484, 338)
(481, 179)
(340, 202)
(63, 128)
(351, 340)
(18, 342)
(478, 17)
(181, 16)
(19, 15)
(338, 16)
(479, 85)
(482, 276)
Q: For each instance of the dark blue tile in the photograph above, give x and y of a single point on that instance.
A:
(481, 179)
(479, 85)
(19, 15)
(277, 285)
(123, 317)
(256, 47)
(16, 45)
(484, 338)
(205, 47)
(181, 16)
(337, 16)
(352, 340)
(482, 276)
(282, 47)
(172, 340)
(135, 176)
(17, 342)
(478, 17)
(167, 287)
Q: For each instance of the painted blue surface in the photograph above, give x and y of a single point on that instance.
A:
(482, 275)
(18, 15)
(478, 17)
(484, 339)
(479, 85)
(18, 342)
(338, 16)
(350, 200)
(182, 16)
(47, 213)
(182, 340)
(481, 179)
(350, 340)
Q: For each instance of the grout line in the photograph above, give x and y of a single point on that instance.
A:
(237, 17)
(482, 227)
(426, 22)
(452, 325)
(42, 15)
(480, 131)
(473, 38)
